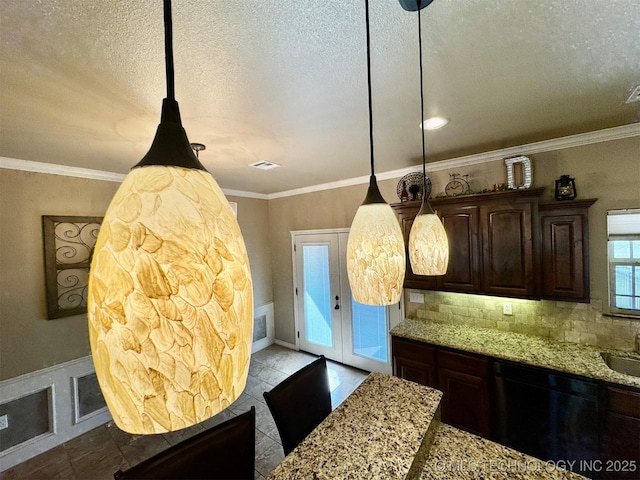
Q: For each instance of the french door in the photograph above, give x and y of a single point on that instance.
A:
(329, 321)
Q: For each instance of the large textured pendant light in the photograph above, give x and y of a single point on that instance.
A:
(428, 244)
(376, 258)
(170, 302)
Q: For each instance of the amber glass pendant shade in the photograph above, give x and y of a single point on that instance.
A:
(376, 258)
(428, 245)
(170, 302)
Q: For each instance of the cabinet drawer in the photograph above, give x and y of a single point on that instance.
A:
(414, 350)
(622, 401)
(464, 362)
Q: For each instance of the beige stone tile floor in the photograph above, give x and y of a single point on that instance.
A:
(100, 452)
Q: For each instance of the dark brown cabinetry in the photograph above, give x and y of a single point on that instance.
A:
(507, 244)
(415, 361)
(491, 243)
(462, 224)
(462, 377)
(508, 249)
(620, 438)
(565, 250)
(548, 414)
(464, 380)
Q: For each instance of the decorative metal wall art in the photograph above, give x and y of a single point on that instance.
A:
(68, 248)
(527, 174)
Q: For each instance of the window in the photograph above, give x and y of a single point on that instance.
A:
(623, 228)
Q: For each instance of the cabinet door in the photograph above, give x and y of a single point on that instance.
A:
(562, 258)
(461, 225)
(414, 371)
(507, 241)
(620, 440)
(415, 361)
(464, 380)
(565, 250)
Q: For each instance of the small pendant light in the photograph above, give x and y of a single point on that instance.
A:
(376, 258)
(428, 243)
(170, 301)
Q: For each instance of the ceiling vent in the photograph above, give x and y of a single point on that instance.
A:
(635, 96)
(264, 165)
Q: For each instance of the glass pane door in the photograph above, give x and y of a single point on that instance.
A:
(330, 321)
(369, 324)
(318, 294)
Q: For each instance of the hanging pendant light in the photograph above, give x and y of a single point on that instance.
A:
(428, 243)
(170, 301)
(376, 258)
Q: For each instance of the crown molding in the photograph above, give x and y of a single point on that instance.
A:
(55, 169)
(599, 136)
(66, 171)
(242, 193)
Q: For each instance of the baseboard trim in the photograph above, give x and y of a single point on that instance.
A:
(282, 343)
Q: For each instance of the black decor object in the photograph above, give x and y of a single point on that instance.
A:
(565, 188)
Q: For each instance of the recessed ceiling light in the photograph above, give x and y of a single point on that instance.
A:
(434, 123)
(264, 165)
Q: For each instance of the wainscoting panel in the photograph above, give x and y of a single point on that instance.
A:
(263, 327)
(43, 406)
(48, 407)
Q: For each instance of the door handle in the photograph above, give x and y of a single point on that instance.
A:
(337, 307)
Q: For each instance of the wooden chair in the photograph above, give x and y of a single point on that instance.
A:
(226, 451)
(299, 403)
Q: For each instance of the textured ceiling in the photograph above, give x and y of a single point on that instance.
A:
(82, 82)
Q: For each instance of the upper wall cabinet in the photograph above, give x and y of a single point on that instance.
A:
(508, 247)
(496, 241)
(565, 250)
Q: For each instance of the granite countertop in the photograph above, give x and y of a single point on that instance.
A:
(456, 454)
(561, 356)
(384, 429)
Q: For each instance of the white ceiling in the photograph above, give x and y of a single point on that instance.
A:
(82, 82)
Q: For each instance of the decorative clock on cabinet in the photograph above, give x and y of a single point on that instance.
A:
(458, 185)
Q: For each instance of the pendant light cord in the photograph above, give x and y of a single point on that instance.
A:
(425, 207)
(366, 2)
(424, 158)
(168, 50)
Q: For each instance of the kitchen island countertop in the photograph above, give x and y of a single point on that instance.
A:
(566, 357)
(459, 455)
(384, 429)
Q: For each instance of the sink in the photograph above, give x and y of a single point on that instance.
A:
(622, 364)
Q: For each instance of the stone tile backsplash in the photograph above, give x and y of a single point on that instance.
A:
(561, 321)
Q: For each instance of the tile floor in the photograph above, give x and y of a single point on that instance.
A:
(100, 452)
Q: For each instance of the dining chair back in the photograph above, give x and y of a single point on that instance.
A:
(225, 451)
(300, 402)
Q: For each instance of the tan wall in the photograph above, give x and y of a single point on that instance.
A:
(28, 341)
(253, 218)
(609, 171)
